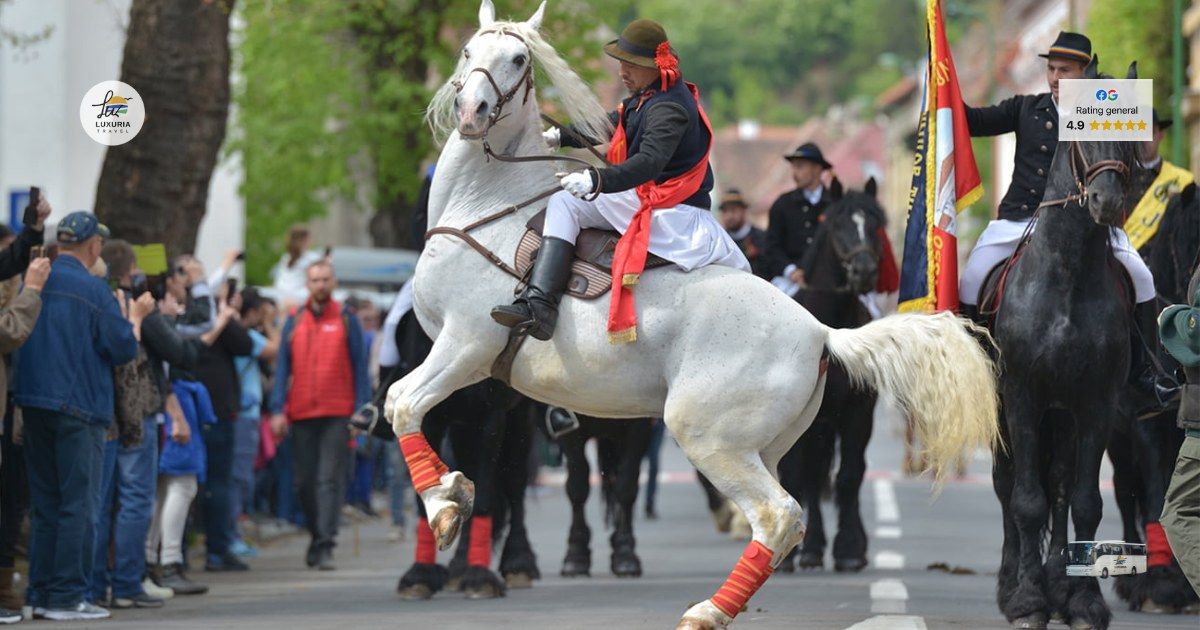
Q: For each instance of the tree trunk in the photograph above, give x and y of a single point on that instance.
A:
(155, 187)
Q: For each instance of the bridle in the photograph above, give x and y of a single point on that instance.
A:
(1090, 172)
(844, 256)
(526, 80)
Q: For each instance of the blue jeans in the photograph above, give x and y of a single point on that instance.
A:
(129, 480)
(218, 442)
(398, 481)
(64, 456)
(241, 488)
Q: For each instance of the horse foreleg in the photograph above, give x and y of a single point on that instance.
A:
(448, 496)
(1027, 605)
(631, 448)
(578, 560)
(1086, 606)
(854, 431)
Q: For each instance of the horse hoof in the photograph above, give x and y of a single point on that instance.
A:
(416, 592)
(483, 591)
(1081, 625)
(812, 561)
(1036, 621)
(688, 623)
(518, 580)
(445, 526)
(849, 565)
(704, 616)
(1058, 618)
(576, 568)
(627, 566)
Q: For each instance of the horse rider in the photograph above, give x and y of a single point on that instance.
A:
(795, 217)
(1152, 185)
(1034, 119)
(660, 148)
(751, 240)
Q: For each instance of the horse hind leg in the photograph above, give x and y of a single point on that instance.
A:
(850, 544)
(632, 448)
(578, 560)
(1086, 607)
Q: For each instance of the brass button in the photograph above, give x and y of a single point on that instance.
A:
(1044, 149)
(1049, 125)
(808, 240)
(1032, 191)
(1024, 207)
(1041, 171)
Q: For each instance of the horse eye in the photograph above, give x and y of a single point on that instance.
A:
(466, 54)
(519, 61)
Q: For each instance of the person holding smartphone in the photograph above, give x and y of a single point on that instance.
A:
(14, 259)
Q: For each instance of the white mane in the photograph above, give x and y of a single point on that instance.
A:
(586, 114)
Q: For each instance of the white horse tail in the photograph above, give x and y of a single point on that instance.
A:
(937, 373)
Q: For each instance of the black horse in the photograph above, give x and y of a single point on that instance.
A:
(841, 265)
(1143, 452)
(1063, 329)
(490, 430)
(620, 447)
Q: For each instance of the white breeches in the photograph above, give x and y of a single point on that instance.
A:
(688, 236)
(999, 240)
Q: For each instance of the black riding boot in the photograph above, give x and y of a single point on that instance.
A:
(1157, 388)
(536, 310)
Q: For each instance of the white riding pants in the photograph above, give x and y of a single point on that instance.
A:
(999, 241)
(175, 494)
(688, 236)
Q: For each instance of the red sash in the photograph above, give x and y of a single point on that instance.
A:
(629, 259)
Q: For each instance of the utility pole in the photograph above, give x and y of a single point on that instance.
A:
(1177, 83)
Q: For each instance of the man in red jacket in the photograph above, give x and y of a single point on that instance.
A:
(320, 379)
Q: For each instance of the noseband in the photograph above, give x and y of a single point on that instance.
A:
(504, 97)
(1090, 172)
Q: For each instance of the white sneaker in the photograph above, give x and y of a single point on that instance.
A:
(83, 611)
(155, 590)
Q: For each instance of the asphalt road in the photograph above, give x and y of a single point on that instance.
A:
(684, 561)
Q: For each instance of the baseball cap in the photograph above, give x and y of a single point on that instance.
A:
(79, 226)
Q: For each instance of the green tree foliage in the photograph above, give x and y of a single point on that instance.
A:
(333, 90)
(782, 61)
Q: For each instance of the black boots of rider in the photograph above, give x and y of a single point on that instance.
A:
(1145, 376)
(536, 311)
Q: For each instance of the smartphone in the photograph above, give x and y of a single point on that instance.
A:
(35, 197)
(37, 251)
(230, 288)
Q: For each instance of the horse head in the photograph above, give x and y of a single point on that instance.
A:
(1101, 170)
(850, 227)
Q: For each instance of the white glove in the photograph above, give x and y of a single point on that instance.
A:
(578, 183)
(553, 138)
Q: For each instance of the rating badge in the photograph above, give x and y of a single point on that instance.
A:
(1105, 110)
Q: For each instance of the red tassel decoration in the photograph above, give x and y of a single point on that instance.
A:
(668, 65)
(480, 552)
(426, 547)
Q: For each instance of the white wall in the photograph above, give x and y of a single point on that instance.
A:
(41, 140)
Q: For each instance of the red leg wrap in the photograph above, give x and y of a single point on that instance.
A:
(426, 547)
(1158, 550)
(752, 569)
(480, 553)
(424, 466)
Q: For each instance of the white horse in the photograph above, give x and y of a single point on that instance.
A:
(733, 365)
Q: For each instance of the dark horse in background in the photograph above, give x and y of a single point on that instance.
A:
(1143, 452)
(1063, 330)
(620, 447)
(842, 264)
(490, 429)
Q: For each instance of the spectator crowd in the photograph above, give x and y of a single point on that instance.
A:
(151, 424)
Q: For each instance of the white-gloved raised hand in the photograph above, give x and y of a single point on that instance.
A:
(553, 138)
(578, 183)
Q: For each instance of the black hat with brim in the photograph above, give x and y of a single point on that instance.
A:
(1162, 123)
(732, 198)
(808, 151)
(1072, 46)
(638, 43)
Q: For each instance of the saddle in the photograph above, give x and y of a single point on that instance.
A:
(991, 294)
(591, 271)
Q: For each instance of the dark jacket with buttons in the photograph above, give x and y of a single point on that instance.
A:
(793, 224)
(1034, 118)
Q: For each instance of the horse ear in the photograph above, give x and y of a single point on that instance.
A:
(1132, 73)
(487, 13)
(535, 21)
(1093, 68)
(871, 188)
(835, 189)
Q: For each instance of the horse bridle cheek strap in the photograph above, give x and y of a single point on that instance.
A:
(503, 97)
(1090, 172)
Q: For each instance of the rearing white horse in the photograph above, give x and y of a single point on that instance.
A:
(734, 366)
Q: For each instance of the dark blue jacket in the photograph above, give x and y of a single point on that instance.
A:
(67, 363)
(358, 359)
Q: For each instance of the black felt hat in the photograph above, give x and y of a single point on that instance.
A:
(638, 43)
(1073, 46)
(808, 151)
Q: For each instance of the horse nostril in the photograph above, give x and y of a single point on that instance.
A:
(482, 109)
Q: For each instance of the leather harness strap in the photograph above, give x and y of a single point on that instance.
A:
(1090, 172)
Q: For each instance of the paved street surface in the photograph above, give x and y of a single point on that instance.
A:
(684, 561)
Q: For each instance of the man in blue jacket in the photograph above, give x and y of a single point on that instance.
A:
(65, 389)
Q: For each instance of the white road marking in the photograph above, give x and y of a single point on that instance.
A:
(887, 531)
(890, 622)
(889, 560)
(886, 509)
(889, 596)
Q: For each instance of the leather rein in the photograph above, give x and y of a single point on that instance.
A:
(526, 80)
(1090, 172)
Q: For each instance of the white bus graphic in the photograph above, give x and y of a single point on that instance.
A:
(1102, 558)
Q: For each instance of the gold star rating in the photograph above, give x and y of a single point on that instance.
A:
(1095, 125)
(1141, 125)
(1107, 125)
(1129, 125)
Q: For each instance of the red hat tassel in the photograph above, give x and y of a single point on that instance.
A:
(668, 65)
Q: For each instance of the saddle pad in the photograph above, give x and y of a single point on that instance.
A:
(591, 271)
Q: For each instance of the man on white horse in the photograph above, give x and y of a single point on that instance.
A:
(656, 193)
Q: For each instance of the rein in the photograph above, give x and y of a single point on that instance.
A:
(1090, 172)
